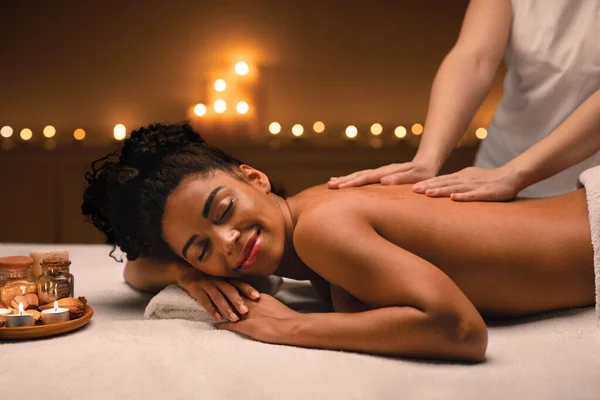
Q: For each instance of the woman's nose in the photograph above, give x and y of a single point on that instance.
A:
(229, 238)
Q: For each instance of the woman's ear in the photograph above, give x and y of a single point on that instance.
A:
(256, 178)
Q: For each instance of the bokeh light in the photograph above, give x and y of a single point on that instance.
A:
(376, 129)
(220, 106)
(120, 131)
(351, 131)
(241, 68)
(319, 127)
(79, 134)
(400, 132)
(26, 134)
(297, 130)
(220, 85)
(200, 109)
(274, 128)
(417, 129)
(6, 131)
(481, 133)
(242, 107)
(49, 131)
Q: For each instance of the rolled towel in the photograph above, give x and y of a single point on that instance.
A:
(175, 303)
(590, 179)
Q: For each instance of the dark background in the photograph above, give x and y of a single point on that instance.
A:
(94, 64)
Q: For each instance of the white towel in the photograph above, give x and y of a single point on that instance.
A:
(175, 303)
(590, 179)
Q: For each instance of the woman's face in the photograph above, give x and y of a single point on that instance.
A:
(224, 226)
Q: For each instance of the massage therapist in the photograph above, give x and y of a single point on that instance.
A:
(546, 129)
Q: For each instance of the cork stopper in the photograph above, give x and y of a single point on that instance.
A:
(55, 262)
(15, 263)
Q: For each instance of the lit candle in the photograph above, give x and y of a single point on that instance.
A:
(20, 319)
(55, 316)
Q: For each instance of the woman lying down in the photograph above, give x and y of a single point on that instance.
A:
(407, 275)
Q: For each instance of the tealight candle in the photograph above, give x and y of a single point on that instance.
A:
(56, 315)
(20, 319)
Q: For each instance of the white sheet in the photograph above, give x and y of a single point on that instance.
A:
(119, 355)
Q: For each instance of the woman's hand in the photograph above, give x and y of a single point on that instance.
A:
(392, 174)
(473, 184)
(216, 294)
(265, 321)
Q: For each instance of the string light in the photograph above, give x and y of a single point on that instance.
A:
(79, 134)
(49, 131)
(400, 132)
(376, 129)
(242, 107)
(417, 129)
(6, 131)
(220, 106)
(481, 133)
(241, 68)
(220, 85)
(297, 130)
(200, 109)
(119, 131)
(26, 134)
(274, 128)
(351, 131)
(319, 127)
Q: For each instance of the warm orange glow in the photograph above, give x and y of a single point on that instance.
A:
(220, 85)
(319, 127)
(242, 68)
(200, 109)
(220, 106)
(49, 131)
(351, 131)
(274, 128)
(417, 129)
(242, 107)
(6, 131)
(481, 133)
(376, 129)
(119, 131)
(297, 130)
(79, 134)
(26, 134)
(400, 132)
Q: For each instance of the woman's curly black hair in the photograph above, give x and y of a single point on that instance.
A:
(127, 190)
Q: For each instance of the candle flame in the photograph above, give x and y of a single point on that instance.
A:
(22, 289)
(21, 309)
(55, 306)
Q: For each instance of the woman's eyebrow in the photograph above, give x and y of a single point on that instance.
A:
(209, 201)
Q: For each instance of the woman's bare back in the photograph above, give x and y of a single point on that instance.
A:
(508, 258)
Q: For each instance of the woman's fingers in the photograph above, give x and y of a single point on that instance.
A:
(446, 191)
(197, 292)
(231, 293)
(220, 302)
(368, 176)
(246, 289)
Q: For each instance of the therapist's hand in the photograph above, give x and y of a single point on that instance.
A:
(473, 184)
(217, 295)
(393, 174)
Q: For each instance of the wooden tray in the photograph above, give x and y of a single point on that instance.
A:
(40, 331)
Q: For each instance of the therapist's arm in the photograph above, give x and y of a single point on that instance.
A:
(576, 139)
(464, 78)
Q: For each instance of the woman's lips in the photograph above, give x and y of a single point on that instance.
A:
(250, 251)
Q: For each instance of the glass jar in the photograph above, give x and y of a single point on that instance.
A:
(16, 278)
(56, 281)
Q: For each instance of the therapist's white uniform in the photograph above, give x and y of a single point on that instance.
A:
(553, 58)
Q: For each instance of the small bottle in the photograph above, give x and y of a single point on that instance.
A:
(56, 281)
(16, 278)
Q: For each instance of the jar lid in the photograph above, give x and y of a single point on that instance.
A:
(55, 262)
(15, 262)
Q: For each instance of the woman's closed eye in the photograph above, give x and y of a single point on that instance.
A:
(224, 215)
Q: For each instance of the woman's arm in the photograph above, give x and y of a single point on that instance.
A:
(150, 275)
(419, 311)
(464, 78)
